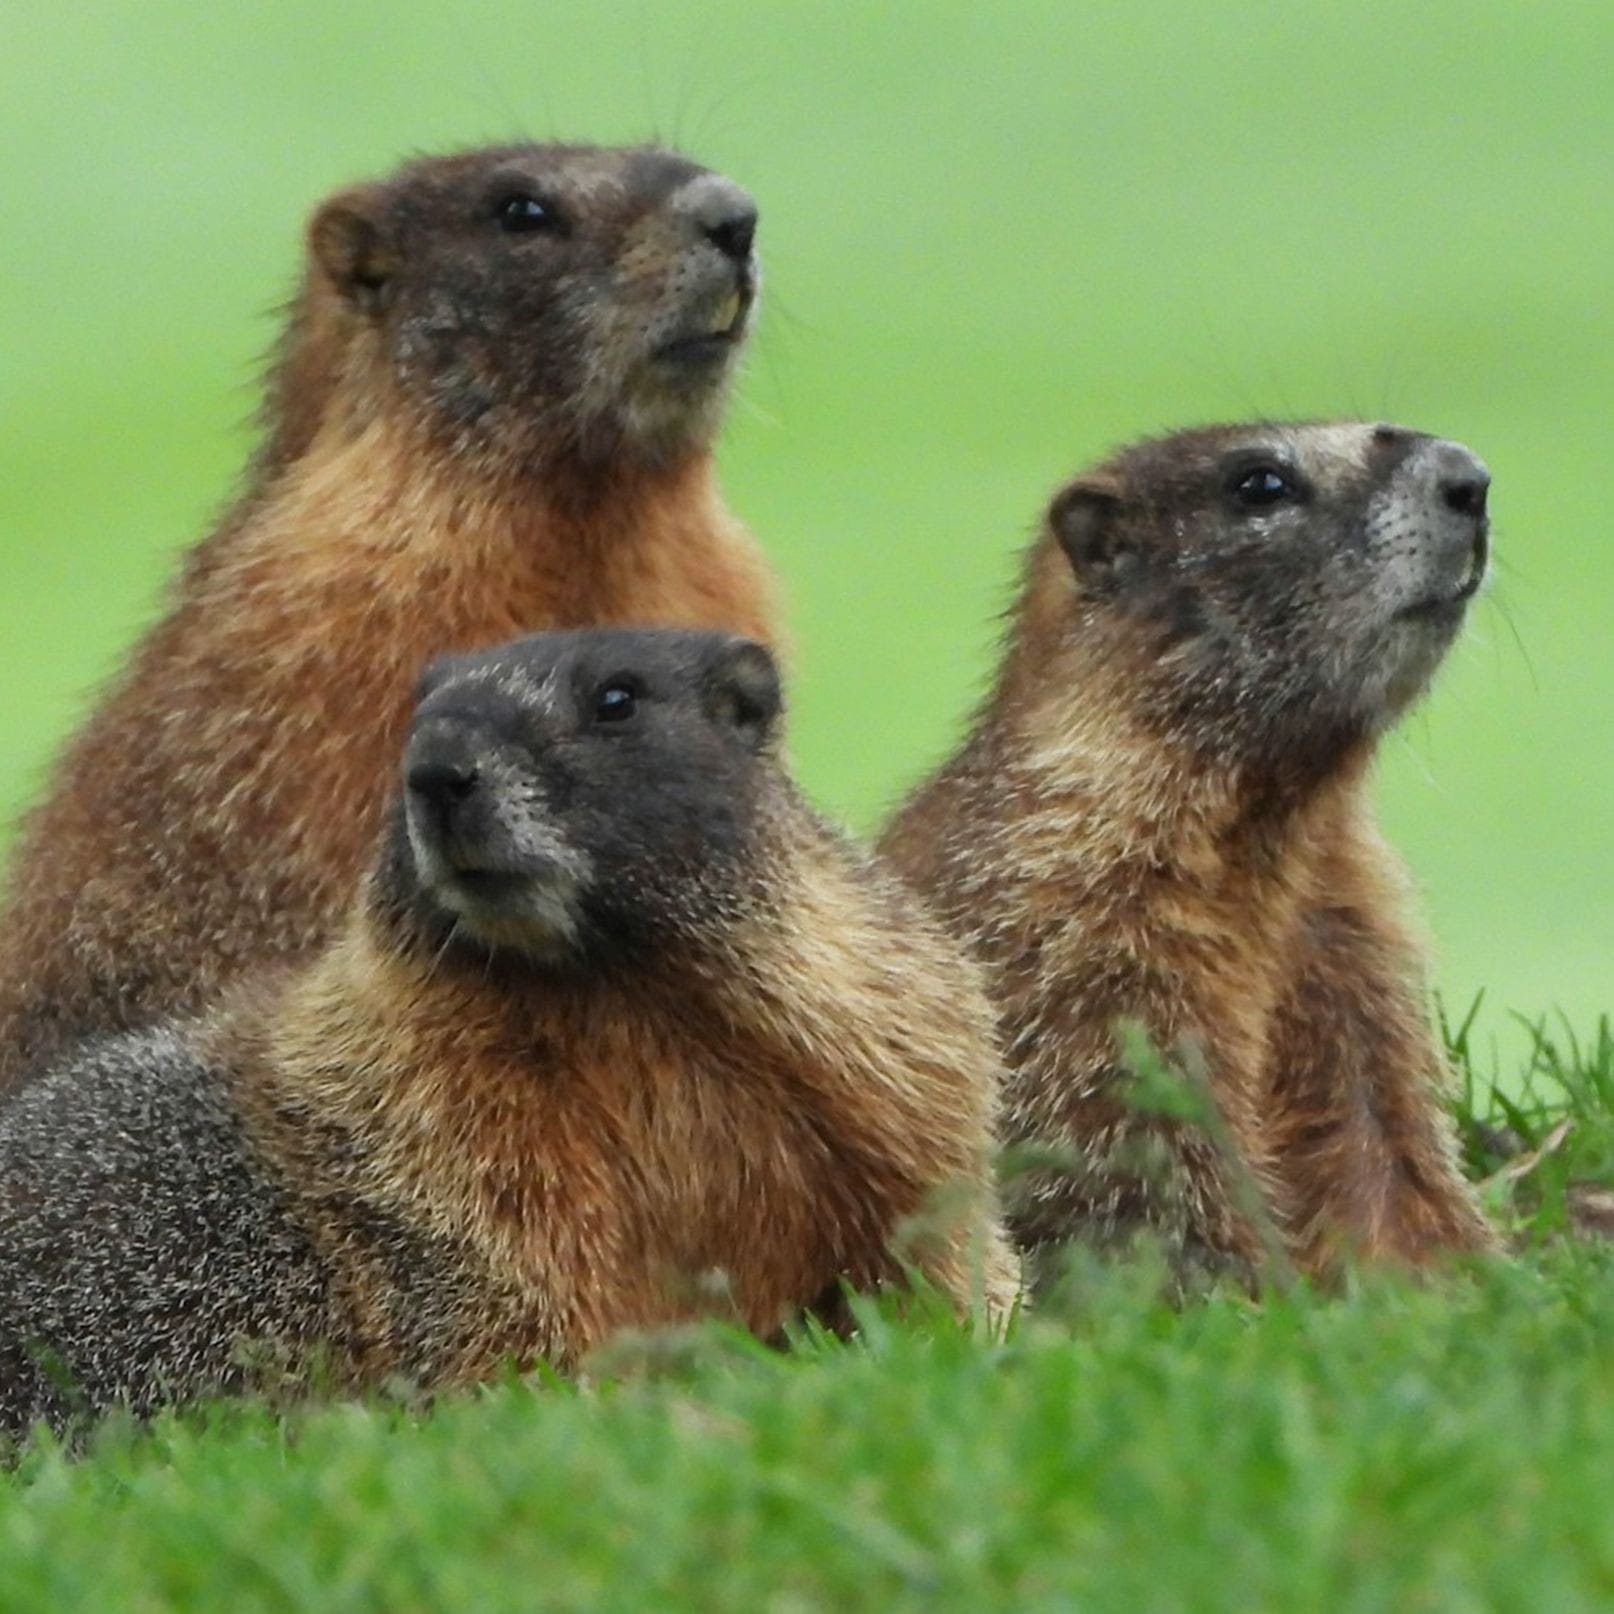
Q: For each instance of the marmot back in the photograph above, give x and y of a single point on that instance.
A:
(492, 411)
(1160, 815)
(617, 1032)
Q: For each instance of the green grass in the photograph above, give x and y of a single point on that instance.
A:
(1440, 1446)
(1443, 1449)
(1543, 1146)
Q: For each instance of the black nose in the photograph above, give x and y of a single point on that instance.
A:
(733, 232)
(1459, 476)
(442, 785)
(1465, 494)
(720, 211)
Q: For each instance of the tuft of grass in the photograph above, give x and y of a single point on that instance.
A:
(1542, 1146)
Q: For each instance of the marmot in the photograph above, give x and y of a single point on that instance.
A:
(612, 1013)
(492, 411)
(1161, 815)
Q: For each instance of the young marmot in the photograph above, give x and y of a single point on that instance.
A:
(1161, 815)
(492, 411)
(615, 1025)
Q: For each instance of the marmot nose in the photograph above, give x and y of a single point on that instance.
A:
(732, 236)
(1462, 478)
(441, 784)
(1465, 494)
(722, 212)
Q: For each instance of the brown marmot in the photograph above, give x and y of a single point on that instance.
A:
(613, 1012)
(492, 411)
(1161, 815)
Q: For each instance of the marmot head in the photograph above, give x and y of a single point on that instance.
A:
(1272, 592)
(541, 302)
(572, 795)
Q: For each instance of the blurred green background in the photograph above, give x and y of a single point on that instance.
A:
(999, 239)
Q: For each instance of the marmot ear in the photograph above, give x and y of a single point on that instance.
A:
(1085, 520)
(743, 689)
(348, 240)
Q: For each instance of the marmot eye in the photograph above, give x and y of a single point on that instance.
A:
(615, 703)
(522, 215)
(1265, 484)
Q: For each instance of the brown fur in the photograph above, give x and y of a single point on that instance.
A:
(1111, 849)
(597, 1151)
(218, 805)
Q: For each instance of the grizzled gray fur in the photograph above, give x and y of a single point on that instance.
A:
(142, 1245)
(150, 1255)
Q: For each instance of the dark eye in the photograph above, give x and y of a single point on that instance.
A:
(523, 215)
(615, 703)
(1263, 485)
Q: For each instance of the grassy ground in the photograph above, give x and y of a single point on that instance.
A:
(1439, 1447)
